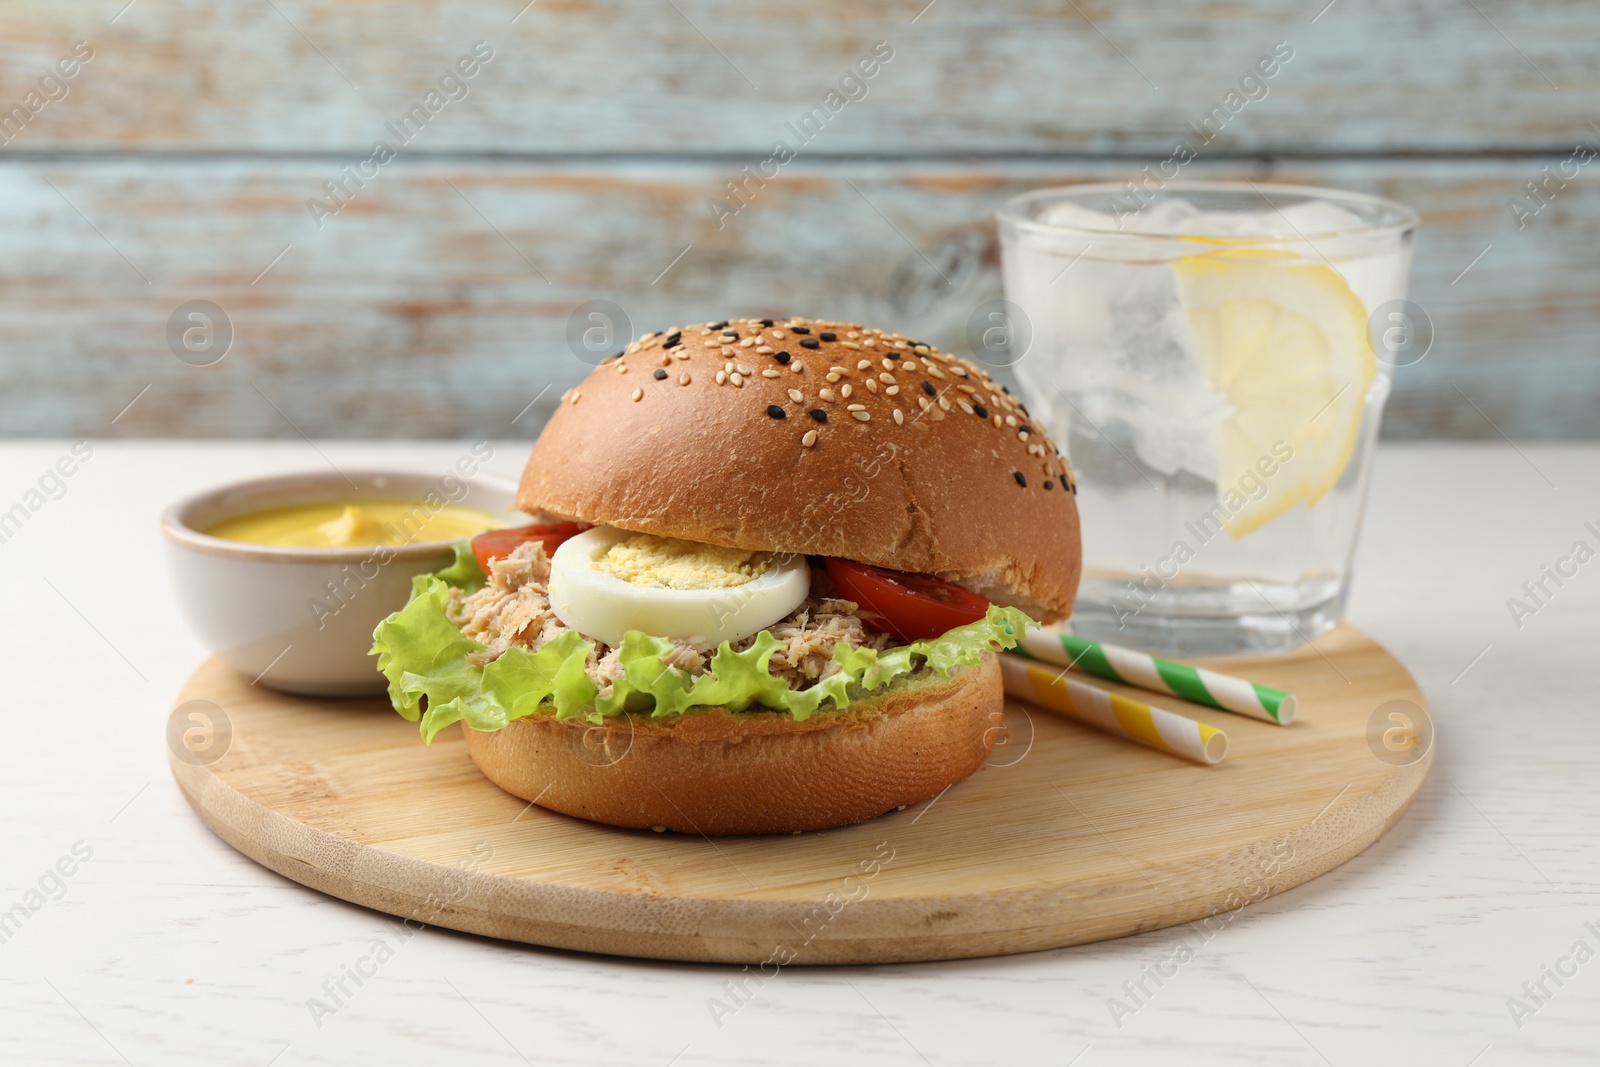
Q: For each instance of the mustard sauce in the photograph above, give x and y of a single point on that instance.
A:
(367, 523)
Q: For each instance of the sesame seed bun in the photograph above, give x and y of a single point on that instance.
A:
(773, 440)
(753, 772)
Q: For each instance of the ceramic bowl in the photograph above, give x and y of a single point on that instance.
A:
(301, 619)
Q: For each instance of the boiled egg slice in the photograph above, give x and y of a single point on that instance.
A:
(605, 582)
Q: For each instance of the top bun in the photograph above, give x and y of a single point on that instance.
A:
(817, 437)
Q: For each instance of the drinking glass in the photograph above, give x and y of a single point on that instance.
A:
(1213, 358)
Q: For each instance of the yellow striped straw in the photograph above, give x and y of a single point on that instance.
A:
(1093, 706)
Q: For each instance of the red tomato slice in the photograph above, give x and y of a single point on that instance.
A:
(492, 544)
(909, 606)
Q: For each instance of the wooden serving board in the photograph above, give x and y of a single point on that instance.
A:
(1066, 836)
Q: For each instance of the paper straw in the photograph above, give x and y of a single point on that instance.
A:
(1118, 715)
(1221, 691)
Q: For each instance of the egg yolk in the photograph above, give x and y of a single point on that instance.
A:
(668, 563)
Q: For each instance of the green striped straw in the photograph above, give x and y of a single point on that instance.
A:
(1221, 691)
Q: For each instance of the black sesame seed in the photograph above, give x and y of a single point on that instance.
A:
(1025, 428)
(809, 342)
(1006, 391)
(980, 411)
(828, 336)
(1020, 479)
(776, 412)
(660, 374)
(1072, 487)
(1048, 484)
(673, 341)
(1024, 409)
(731, 335)
(927, 387)
(619, 355)
(766, 322)
(781, 357)
(799, 329)
(818, 414)
(719, 325)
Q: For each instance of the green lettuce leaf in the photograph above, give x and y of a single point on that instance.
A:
(422, 654)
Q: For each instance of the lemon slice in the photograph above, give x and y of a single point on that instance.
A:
(1286, 342)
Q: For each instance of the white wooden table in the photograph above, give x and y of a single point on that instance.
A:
(165, 946)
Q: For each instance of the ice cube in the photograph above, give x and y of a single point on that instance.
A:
(1174, 216)
(1067, 213)
(1319, 218)
(1117, 341)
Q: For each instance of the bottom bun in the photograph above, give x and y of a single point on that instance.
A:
(725, 772)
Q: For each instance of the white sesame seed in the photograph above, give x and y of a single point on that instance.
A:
(899, 419)
(886, 378)
(944, 404)
(923, 403)
(893, 390)
(862, 415)
(839, 370)
(796, 367)
(747, 342)
(966, 407)
(765, 350)
(575, 395)
(746, 371)
(796, 395)
(683, 353)
(888, 364)
(809, 439)
(832, 377)
(683, 379)
(855, 407)
(997, 420)
(871, 342)
(959, 370)
(736, 379)
(845, 390)
(969, 390)
(666, 359)
(768, 372)
(826, 394)
(722, 376)
(728, 366)
(1022, 435)
(638, 394)
(935, 371)
(851, 344)
(1011, 420)
(865, 364)
(622, 368)
(778, 334)
(727, 350)
(871, 384)
(908, 365)
(852, 334)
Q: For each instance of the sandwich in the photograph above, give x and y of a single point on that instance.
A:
(769, 567)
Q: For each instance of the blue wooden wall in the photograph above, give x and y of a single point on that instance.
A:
(549, 155)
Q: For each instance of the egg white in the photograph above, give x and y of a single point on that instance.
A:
(604, 607)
